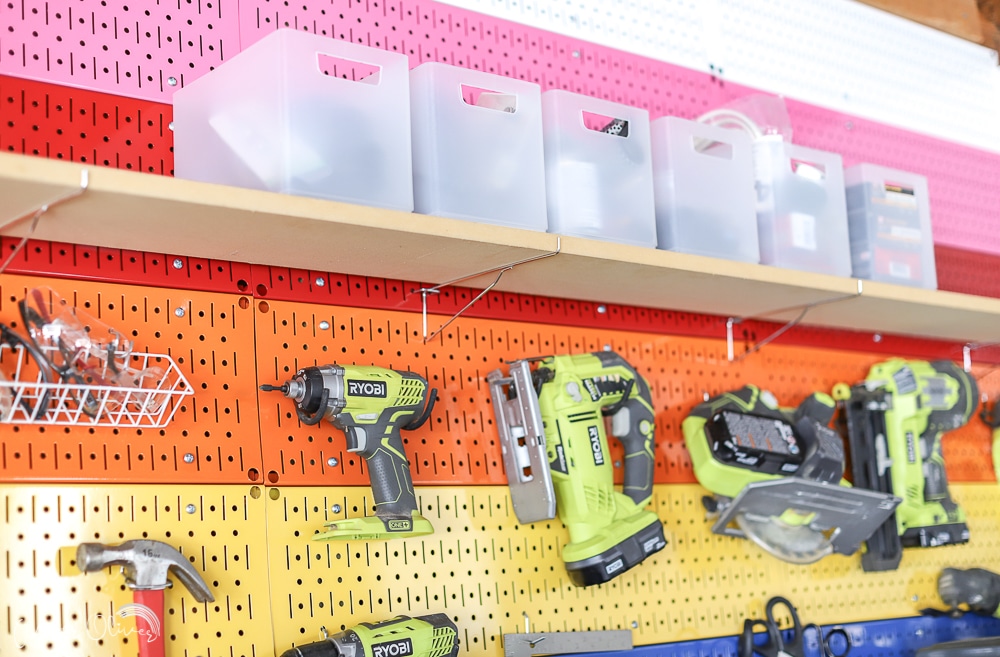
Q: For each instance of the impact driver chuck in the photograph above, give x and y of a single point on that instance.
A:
(371, 405)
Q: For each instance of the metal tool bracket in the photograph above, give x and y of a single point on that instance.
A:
(36, 214)
(804, 310)
(500, 271)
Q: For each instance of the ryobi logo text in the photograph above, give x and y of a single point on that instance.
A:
(393, 648)
(366, 388)
(595, 444)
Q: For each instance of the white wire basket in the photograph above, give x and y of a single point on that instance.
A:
(70, 403)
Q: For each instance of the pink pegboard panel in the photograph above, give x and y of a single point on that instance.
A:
(50, 120)
(139, 49)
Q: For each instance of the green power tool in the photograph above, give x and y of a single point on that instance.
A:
(551, 422)
(895, 420)
(776, 475)
(434, 635)
(371, 405)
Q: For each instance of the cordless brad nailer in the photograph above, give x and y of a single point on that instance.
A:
(371, 405)
(434, 635)
(895, 420)
(555, 450)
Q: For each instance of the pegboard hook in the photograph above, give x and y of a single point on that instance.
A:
(500, 271)
(804, 310)
(36, 214)
(967, 353)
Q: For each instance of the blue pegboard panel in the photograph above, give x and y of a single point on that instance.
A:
(900, 637)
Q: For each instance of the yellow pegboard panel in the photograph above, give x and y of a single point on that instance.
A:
(485, 570)
(48, 608)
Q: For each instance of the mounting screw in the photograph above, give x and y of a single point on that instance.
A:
(635, 624)
(190, 508)
(172, 81)
(324, 325)
(618, 464)
(918, 632)
(189, 458)
(849, 125)
(332, 462)
(178, 263)
(916, 598)
(335, 508)
(179, 312)
(576, 53)
(602, 309)
(877, 337)
(320, 281)
(170, 126)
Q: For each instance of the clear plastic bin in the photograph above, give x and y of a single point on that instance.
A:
(801, 211)
(477, 146)
(704, 188)
(889, 216)
(301, 114)
(598, 169)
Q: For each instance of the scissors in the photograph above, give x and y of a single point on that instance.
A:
(779, 645)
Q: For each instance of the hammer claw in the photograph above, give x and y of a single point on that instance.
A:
(145, 563)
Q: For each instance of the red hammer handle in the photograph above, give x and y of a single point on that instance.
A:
(150, 628)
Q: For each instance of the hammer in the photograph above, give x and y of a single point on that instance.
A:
(145, 564)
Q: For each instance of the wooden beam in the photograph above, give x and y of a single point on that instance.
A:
(957, 17)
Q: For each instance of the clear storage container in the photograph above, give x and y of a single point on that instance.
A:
(801, 211)
(301, 114)
(598, 169)
(888, 212)
(477, 146)
(704, 189)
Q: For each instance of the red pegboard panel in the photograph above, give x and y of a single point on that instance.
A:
(38, 118)
(460, 446)
(213, 438)
(81, 262)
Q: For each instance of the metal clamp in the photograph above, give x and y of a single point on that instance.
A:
(500, 271)
(732, 321)
(35, 215)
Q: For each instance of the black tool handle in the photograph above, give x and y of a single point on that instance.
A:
(632, 423)
(382, 446)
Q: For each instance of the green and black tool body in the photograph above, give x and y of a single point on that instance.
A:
(434, 635)
(776, 475)
(551, 422)
(895, 420)
(371, 405)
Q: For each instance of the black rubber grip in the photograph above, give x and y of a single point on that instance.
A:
(392, 486)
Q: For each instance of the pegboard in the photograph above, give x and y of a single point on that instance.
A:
(81, 125)
(213, 438)
(459, 444)
(961, 177)
(50, 608)
(485, 570)
(141, 50)
(82, 262)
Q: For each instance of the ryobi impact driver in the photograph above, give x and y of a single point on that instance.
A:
(895, 420)
(555, 450)
(434, 635)
(371, 405)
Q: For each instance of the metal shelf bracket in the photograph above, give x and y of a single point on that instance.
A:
(500, 271)
(967, 350)
(36, 214)
(804, 310)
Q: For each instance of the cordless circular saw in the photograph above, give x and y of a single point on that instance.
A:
(776, 476)
(551, 421)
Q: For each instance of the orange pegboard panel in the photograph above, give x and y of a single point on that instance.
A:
(213, 438)
(460, 444)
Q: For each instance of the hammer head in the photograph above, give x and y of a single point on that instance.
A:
(145, 564)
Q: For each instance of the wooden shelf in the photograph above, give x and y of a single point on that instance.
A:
(145, 212)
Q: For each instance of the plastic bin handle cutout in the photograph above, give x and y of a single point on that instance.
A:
(808, 170)
(494, 100)
(349, 69)
(712, 147)
(606, 124)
